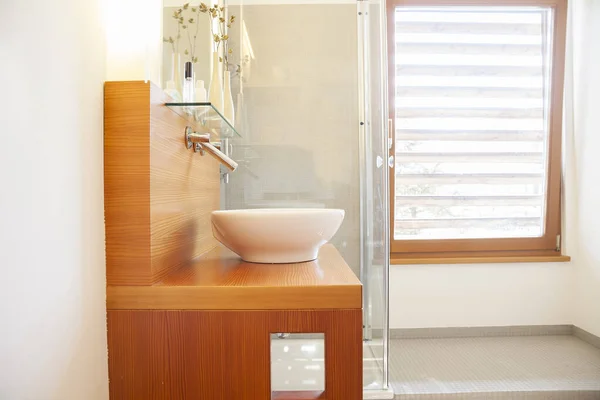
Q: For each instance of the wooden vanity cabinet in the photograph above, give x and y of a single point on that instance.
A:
(187, 318)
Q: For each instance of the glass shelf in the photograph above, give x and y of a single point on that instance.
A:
(206, 115)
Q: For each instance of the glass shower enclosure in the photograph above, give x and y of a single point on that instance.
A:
(310, 96)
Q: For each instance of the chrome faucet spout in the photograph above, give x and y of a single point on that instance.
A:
(219, 155)
(201, 142)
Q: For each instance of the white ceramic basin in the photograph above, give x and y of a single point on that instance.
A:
(281, 235)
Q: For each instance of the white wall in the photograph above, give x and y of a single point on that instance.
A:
(133, 40)
(425, 296)
(52, 309)
(583, 152)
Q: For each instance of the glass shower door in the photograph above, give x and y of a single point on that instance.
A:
(309, 109)
(373, 139)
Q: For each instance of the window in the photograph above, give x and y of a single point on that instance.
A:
(475, 107)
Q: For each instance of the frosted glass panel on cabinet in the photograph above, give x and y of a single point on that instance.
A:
(297, 362)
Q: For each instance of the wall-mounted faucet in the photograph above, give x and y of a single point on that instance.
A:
(201, 143)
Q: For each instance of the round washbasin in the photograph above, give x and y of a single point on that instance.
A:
(280, 235)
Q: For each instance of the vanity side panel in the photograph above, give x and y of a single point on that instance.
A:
(184, 190)
(158, 194)
(224, 355)
(127, 183)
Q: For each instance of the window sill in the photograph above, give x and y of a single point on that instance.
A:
(482, 258)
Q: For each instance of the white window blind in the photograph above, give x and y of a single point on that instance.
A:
(471, 121)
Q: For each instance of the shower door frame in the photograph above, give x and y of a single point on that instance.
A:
(369, 165)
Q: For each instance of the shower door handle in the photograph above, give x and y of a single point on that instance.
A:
(391, 143)
(390, 134)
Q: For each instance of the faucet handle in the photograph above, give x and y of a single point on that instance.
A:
(192, 137)
(201, 143)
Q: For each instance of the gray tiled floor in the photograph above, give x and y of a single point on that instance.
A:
(524, 367)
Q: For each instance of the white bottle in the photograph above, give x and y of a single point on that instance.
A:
(200, 92)
(188, 84)
(171, 91)
(215, 92)
(228, 110)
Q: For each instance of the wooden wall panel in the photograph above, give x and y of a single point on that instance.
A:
(224, 355)
(158, 194)
(184, 190)
(127, 183)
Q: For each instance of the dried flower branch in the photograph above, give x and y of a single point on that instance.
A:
(191, 33)
(190, 20)
(219, 32)
(174, 41)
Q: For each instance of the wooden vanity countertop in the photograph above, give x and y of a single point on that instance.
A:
(220, 280)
